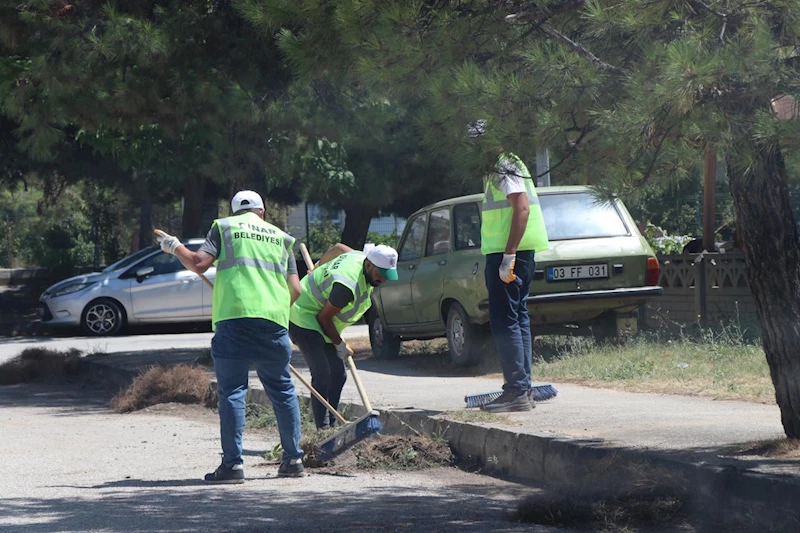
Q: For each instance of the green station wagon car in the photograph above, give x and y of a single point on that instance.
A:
(598, 271)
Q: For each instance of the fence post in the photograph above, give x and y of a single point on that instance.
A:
(700, 289)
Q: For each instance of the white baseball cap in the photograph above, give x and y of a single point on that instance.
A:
(385, 259)
(246, 200)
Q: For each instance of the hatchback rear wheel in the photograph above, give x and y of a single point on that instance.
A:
(103, 317)
(466, 341)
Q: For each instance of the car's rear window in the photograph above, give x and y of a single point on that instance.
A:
(580, 216)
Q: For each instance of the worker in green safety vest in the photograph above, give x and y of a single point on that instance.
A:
(334, 295)
(255, 286)
(512, 231)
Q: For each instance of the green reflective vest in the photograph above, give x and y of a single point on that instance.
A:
(496, 215)
(347, 269)
(252, 270)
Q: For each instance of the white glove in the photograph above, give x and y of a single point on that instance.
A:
(343, 350)
(507, 268)
(169, 243)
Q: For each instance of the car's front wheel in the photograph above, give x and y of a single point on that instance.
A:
(465, 340)
(384, 344)
(103, 317)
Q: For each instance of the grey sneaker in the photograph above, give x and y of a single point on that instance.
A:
(510, 401)
(226, 474)
(530, 398)
(292, 468)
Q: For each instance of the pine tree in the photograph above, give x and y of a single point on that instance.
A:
(629, 94)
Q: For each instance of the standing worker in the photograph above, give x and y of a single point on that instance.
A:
(512, 230)
(255, 286)
(334, 295)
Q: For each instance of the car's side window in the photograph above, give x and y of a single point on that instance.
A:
(162, 263)
(438, 232)
(467, 226)
(413, 242)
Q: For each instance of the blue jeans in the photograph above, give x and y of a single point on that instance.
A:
(235, 345)
(508, 317)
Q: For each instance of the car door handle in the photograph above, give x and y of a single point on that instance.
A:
(189, 280)
(443, 262)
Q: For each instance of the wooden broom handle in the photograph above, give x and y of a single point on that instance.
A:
(306, 257)
(300, 378)
(318, 396)
(357, 380)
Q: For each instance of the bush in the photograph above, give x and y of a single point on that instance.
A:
(35, 364)
(388, 240)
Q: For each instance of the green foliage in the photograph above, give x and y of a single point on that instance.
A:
(662, 243)
(321, 236)
(389, 240)
(63, 246)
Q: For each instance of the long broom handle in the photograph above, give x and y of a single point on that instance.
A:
(318, 396)
(300, 378)
(306, 257)
(350, 363)
(361, 391)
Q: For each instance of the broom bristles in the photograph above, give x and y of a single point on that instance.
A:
(350, 435)
(540, 392)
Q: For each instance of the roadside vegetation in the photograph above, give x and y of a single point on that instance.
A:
(726, 363)
(38, 364)
(162, 384)
(722, 364)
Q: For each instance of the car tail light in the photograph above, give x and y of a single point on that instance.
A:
(653, 272)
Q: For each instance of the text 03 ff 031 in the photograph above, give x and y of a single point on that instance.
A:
(566, 273)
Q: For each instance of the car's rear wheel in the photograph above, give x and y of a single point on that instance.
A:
(465, 340)
(384, 344)
(103, 317)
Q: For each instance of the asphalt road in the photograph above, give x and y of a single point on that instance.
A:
(12, 346)
(71, 465)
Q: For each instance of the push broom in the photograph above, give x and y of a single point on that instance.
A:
(352, 432)
(540, 392)
(356, 431)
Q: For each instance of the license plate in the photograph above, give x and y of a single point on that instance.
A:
(567, 273)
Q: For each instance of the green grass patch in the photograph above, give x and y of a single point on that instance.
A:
(716, 365)
(476, 415)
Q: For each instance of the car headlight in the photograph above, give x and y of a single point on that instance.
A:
(69, 289)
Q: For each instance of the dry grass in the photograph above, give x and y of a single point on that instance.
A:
(35, 364)
(162, 384)
(615, 497)
(402, 453)
(774, 449)
(724, 369)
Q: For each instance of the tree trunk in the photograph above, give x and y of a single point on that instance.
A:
(770, 238)
(145, 222)
(193, 187)
(356, 226)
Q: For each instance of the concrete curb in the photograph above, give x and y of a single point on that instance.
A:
(724, 494)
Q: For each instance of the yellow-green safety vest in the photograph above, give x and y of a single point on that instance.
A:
(347, 269)
(252, 270)
(496, 214)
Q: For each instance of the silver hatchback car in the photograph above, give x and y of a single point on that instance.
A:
(147, 286)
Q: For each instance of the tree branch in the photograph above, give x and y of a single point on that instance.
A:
(722, 16)
(581, 51)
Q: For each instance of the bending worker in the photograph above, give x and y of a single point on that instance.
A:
(334, 295)
(256, 284)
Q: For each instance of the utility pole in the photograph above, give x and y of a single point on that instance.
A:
(542, 167)
(709, 199)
